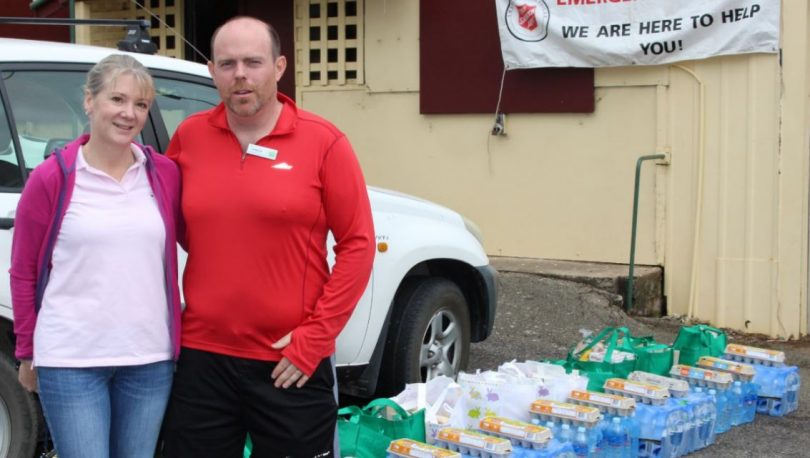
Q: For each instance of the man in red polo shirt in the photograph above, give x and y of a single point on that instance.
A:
(263, 184)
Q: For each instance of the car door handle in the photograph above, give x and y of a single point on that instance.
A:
(6, 223)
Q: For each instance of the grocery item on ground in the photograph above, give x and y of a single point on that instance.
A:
(409, 448)
(606, 403)
(606, 355)
(564, 419)
(619, 426)
(778, 383)
(677, 388)
(699, 414)
(699, 340)
(551, 380)
(520, 433)
(469, 442)
(754, 355)
(646, 415)
(491, 393)
(367, 432)
(644, 393)
(743, 386)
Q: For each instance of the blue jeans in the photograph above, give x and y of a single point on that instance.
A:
(100, 412)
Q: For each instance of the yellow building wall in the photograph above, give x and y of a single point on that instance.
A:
(726, 218)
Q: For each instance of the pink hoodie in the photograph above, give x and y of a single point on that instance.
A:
(42, 207)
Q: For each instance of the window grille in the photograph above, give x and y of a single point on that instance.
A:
(329, 42)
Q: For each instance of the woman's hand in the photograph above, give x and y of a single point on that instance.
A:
(28, 376)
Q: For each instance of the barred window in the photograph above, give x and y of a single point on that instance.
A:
(329, 42)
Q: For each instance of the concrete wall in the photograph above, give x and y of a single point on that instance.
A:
(560, 186)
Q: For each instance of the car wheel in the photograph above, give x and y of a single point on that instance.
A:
(431, 334)
(18, 414)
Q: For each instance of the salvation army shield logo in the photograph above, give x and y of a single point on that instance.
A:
(527, 20)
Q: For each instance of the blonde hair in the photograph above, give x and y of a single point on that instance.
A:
(107, 70)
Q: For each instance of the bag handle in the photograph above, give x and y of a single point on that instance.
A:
(593, 342)
(353, 412)
(614, 339)
(704, 336)
(376, 406)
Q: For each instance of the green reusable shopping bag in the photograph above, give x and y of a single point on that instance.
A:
(699, 340)
(367, 432)
(652, 356)
(599, 371)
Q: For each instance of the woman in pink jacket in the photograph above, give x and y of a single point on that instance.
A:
(94, 275)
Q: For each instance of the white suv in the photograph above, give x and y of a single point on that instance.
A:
(432, 289)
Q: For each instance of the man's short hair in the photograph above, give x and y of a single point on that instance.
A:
(275, 41)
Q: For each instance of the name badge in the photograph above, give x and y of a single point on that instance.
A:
(261, 151)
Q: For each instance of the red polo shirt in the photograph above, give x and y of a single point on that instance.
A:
(256, 236)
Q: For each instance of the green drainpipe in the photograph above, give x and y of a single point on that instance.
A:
(72, 14)
(629, 305)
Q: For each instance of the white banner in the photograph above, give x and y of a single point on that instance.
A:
(607, 33)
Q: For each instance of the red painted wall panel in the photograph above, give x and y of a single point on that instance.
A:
(461, 67)
(21, 8)
(280, 14)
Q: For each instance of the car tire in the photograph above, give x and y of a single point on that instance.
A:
(429, 334)
(18, 414)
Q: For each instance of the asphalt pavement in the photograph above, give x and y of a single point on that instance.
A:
(542, 318)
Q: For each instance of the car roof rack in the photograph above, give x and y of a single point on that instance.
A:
(137, 38)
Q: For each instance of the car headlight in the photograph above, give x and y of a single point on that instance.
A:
(473, 229)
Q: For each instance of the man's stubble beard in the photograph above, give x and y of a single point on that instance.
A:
(248, 108)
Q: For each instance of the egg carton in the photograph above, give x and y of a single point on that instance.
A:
(642, 392)
(677, 388)
(754, 355)
(474, 443)
(408, 448)
(519, 433)
(606, 403)
(740, 371)
(697, 376)
(565, 412)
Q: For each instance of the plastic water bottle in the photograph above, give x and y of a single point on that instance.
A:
(617, 439)
(690, 429)
(737, 402)
(634, 431)
(598, 436)
(699, 435)
(676, 418)
(711, 420)
(750, 389)
(605, 427)
(721, 425)
(729, 398)
(793, 383)
(554, 428)
(566, 435)
(581, 445)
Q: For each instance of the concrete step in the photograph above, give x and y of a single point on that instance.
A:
(648, 296)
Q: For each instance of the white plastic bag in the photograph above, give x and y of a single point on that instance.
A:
(551, 380)
(492, 394)
(438, 397)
